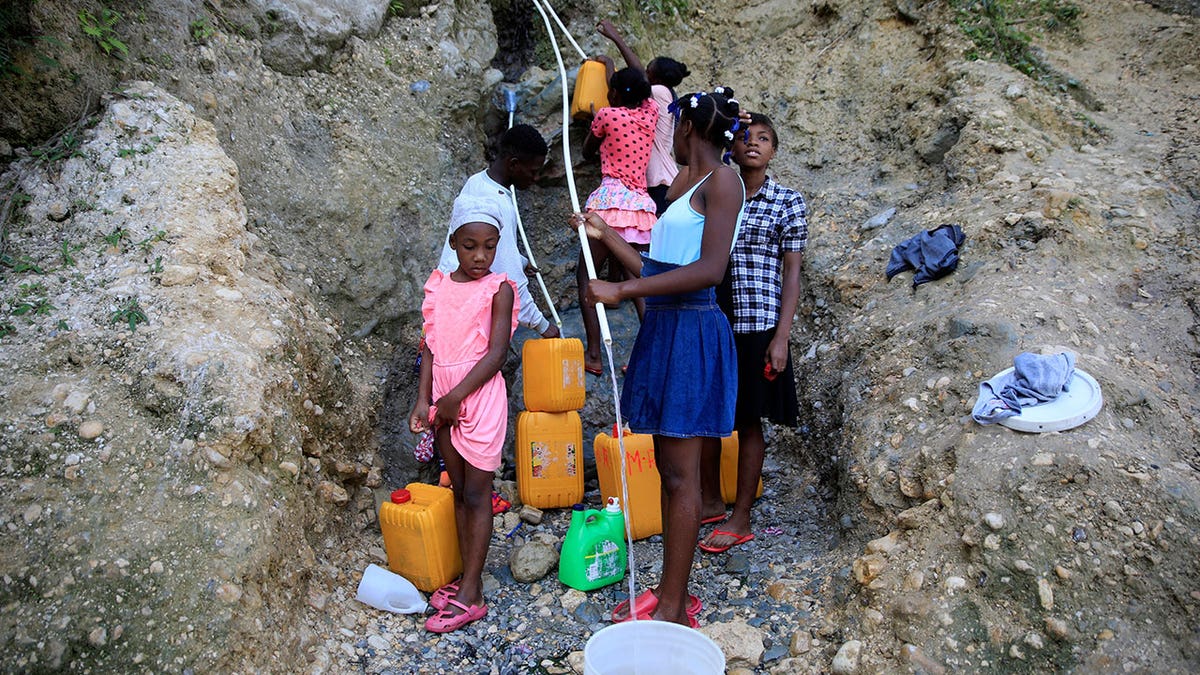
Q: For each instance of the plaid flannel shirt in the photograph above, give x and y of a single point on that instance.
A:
(774, 222)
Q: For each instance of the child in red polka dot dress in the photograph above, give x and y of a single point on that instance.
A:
(623, 135)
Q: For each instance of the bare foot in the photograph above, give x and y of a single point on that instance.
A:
(710, 512)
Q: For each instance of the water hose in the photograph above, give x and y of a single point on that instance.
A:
(510, 105)
(600, 313)
(605, 333)
(567, 33)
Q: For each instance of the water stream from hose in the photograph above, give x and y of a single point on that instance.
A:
(605, 333)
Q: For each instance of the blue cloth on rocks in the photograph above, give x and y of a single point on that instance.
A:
(1034, 379)
(932, 254)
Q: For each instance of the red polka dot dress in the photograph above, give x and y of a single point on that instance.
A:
(626, 139)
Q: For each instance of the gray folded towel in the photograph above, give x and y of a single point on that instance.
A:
(1035, 378)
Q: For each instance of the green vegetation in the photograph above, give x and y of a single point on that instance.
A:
(1090, 124)
(201, 30)
(66, 145)
(31, 308)
(998, 29)
(16, 36)
(130, 312)
(66, 253)
(6, 329)
(30, 302)
(144, 149)
(21, 265)
(396, 7)
(114, 238)
(102, 30)
(148, 243)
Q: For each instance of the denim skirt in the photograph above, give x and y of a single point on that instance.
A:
(682, 377)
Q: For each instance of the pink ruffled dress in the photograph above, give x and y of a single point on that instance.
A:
(458, 327)
(626, 139)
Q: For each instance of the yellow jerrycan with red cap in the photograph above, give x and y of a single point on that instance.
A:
(420, 535)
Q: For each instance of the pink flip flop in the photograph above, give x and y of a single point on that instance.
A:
(446, 621)
(647, 602)
(442, 596)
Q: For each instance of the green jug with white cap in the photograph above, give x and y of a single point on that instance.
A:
(593, 552)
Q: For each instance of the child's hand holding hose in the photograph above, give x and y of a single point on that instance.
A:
(593, 224)
(596, 228)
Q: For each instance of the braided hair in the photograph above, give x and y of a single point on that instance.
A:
(715, 115)
(631, 87)
(668, 71)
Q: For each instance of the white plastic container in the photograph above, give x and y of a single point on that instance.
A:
(650, 648)
(389, 591)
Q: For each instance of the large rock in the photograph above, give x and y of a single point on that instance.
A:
(532, 561)
(741, 643)
(304, 34)
(178, 527)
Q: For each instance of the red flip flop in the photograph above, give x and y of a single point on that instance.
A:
(647, 602)
(713, 519)
(693, 622)
(737, 539)
(594, 371)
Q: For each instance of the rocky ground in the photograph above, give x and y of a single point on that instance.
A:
(198, 490)
(764, 600)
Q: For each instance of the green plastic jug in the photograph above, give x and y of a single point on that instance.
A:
(593, 552)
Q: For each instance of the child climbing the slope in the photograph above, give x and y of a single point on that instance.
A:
(664, 74)
(682, 381)
(469, 317)
(622, 134)
(759, 296)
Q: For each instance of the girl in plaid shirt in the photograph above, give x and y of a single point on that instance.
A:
(759, 295)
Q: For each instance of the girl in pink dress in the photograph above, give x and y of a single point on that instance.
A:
(470, 315)
(623, 135)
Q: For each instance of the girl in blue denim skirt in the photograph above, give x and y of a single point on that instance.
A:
(681, 385)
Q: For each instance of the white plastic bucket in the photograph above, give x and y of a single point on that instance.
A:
(383, 589)
(650, 648)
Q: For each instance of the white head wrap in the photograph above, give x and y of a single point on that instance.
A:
(474, 210)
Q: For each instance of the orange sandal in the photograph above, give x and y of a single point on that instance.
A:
(446, 620)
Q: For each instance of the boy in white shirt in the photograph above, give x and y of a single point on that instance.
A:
(518, 164)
